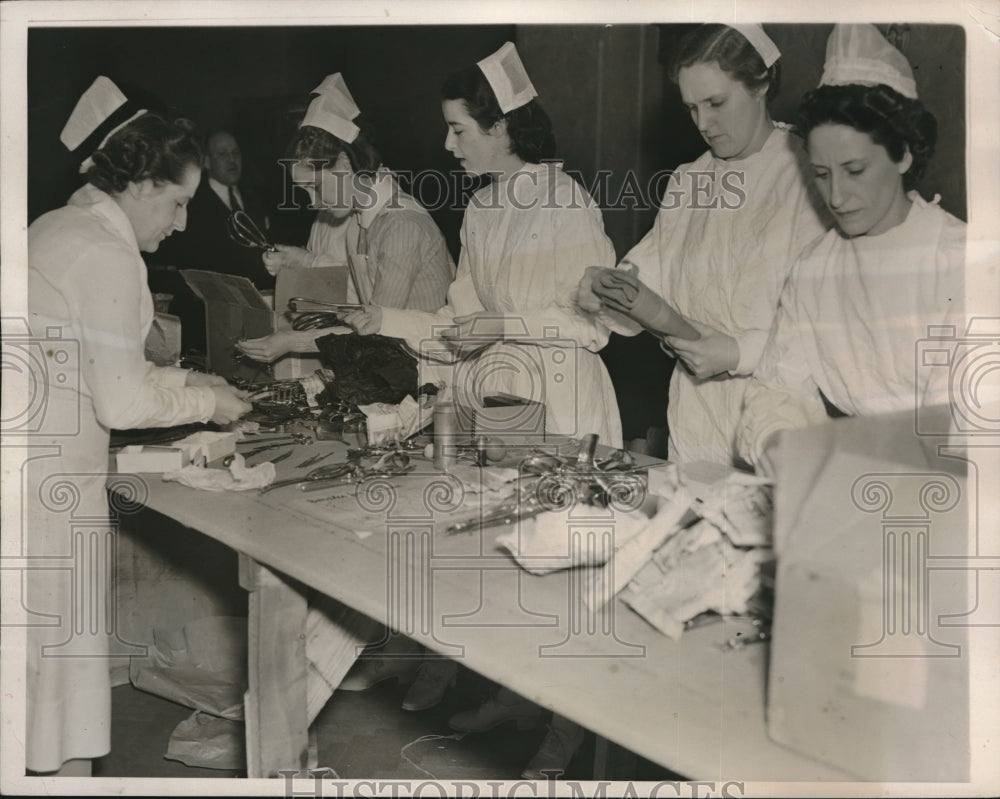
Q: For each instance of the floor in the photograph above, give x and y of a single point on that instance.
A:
(360, 735)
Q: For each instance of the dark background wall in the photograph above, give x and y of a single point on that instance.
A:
(250, 80)
(606, 88)
(614, 108)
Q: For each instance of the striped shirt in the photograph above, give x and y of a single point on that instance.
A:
(407, 264)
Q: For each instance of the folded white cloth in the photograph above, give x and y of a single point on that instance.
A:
(562, 540)
(239, 476)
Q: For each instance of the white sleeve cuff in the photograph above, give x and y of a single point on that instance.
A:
(751, 346)
(170, 376)
(757, 446)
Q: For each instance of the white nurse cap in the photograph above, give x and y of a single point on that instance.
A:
(860, 54)
(94, 108)
(333, 109)
(508, 78)
(760, 41)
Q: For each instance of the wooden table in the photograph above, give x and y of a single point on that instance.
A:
(691, 705)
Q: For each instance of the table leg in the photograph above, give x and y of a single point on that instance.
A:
(275, 702)
(611, 761)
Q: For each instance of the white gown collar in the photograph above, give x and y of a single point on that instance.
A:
(104, 204)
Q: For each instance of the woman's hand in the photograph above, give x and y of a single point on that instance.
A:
(483, 325)
(476, 330)
(286, 257)
(585, 297)
(365, 322)
(269, 348)
(712, 354)
(201, 379)
(230, 404)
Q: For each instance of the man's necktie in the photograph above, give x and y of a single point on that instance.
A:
(362, 240)
(234, 204)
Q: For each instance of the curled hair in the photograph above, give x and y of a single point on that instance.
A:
(735, 56)
(147, 148)
(895, 122)
(529, 127)
(315, 144)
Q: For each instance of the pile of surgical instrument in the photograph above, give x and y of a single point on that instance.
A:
(389, 463)
(552, 482)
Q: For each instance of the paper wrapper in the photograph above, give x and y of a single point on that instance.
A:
(739, 506)
(696, 570)
(387, 423)
(205, 741)
(632, 555)
(201, 666)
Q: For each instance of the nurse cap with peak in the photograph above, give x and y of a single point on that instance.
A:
(508, 78)
(859, 54)
(102, 110)
(333, 109)
(760, 41)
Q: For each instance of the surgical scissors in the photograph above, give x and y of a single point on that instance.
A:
(264, 448)
(331, 472)
(339, 307)
(243, 230)
(390, 463)
(314, 460)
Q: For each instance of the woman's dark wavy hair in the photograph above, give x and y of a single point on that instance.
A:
(735, 56)
(896, 122)
(149, 147)
(529, 127)
(312, 143)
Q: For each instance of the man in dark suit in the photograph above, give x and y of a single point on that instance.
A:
(205, 243)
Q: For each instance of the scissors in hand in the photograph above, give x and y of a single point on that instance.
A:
(243, 230)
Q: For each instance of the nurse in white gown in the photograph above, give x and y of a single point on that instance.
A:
(527, 238)
(860, 298)
(731, 224)
(87, 286)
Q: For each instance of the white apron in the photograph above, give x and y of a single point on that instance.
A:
(853, 322)
(87, 285)
(526, 242)
(722, 244)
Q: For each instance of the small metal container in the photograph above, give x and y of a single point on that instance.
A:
(445, 435)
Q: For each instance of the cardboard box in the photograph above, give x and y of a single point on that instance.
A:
(139, 459)
(324, 283)
(869, 660)
(515, 420)
(206, 446)
(234, 310)
(163, 342)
